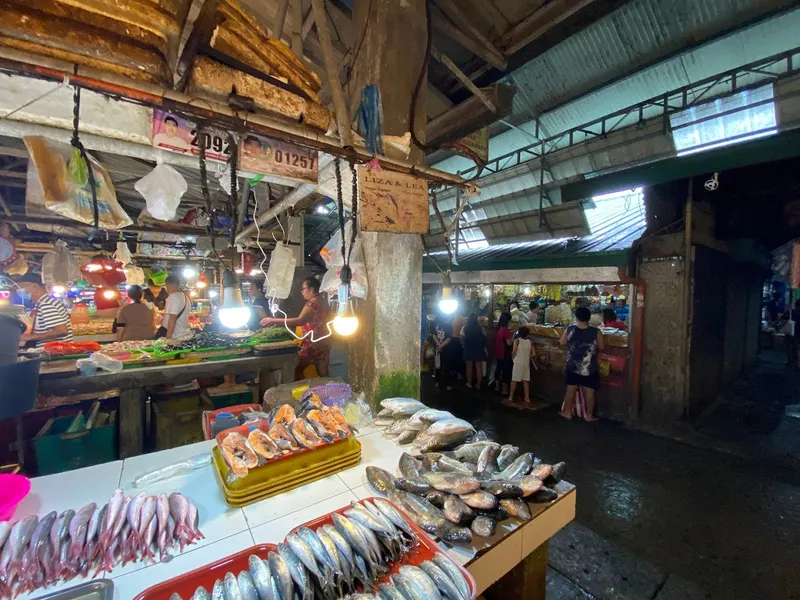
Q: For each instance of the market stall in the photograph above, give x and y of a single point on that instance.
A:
(228, 531)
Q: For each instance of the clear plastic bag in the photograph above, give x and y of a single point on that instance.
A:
(162, 189)
(123, 253)
(59, 265)
(331, 253)
(358, 412)
(134, 275)
(280, 273)
(179, 468)
(98, 360)
(63, 188)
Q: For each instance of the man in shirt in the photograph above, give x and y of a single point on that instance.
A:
(170, 137)
(155, 295)
(50, 318)
(176, 311)
(260, 306)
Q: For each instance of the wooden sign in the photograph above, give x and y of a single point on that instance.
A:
(392, 202)
(258, 154)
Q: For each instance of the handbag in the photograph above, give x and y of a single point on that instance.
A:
(162, 331)
(788, 328)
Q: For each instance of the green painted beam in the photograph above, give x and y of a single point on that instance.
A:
(586, 259)
(777, 147)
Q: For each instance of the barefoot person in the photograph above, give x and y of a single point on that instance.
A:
(582, 342)
(522, 354)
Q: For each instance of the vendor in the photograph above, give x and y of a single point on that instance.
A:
(155, 295)
(313, 318)
(50, 318)
(175, 322)
(610, 319)
(259, 305)
(135, 320)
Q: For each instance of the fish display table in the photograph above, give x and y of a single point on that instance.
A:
(230, 530)
(274, 369)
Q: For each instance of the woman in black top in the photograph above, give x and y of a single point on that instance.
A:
(474, 350)
(450, 353)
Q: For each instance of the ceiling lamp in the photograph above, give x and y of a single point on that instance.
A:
(449, 303)
(189, 272)
(202, 282)
(233, 314)
(345, 323)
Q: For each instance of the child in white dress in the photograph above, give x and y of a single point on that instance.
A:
(522, 354)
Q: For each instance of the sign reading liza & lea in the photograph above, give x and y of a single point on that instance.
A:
(392, 202)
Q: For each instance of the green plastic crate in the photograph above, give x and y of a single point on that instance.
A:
(224, 396)
(58, 450)
(178, 421)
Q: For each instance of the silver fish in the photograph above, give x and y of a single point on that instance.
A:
(201, 594)
(281, 575)
(18, 540)
(175, 596)
(354, 536)
(487, 461)
(262, 577)
(374, 545)
(336, 558)
(297, 571)
(305, 553)
(406, 587)
(517, 469)
(470, 452)
(421, 581)
(454, 483)
(456, 511)
(247, 586)
(508, 454)
(409, 466)
(363, 516)
(162, 512)
(387, 591)
(231, 587)
(483, 526)
(77, 533)
(446, 565)
(134, 512)
(406, 437)
(345, 551)
(391, 513)
(218, 591)
(402, 407)
(449, 589)
(422, 512)
(380, 479)
(430, 416)
(58, 534)
(514, 507)
(380, 518)
(530, 484)
(480, 500)
(5, 530)
(34, 557)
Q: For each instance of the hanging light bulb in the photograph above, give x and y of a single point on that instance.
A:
(200, 284)
(193, 293)
(345, 323)
(487, 292)
(109, 294)
(233, 314)
(58, 289)
(189, 272)
(449, 303)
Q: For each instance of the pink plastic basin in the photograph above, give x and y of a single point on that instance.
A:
(13, 488)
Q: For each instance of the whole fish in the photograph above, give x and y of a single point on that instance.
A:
(517, 469)
(231, 587)
(374, 546)
(451, 426)
(201, 594)
(114, 514)
(530, 484)
(429, 416)
(544, 495)
(430, 461)
(451, 465)
(93, 533)
(487, 461)
(380, 479)
(406, 437)
(404, 585)
(297, 571)
(346, 557)
(453, 483)
(148, 537)
(262, 577)
(339, 569)
(449, 432)
(514, 507)
(417, 485)
(483, 526)
(175, 596)
(34, 560)
(457, 534)
(558, 473)
(148, 516)
(303, 551)
(162, 513)
(456, 511)
(399, 426)
(470, 452)
(59, 533)
(448, 588)
(387, 591)
(503, 489)
(481, 500)
(508, 454)
(17, 543)
(381, 518)
(355, 537)
(421, 581)
(391, 513)
(5, 530)
(134, 513)
(402, 407)
(218, 591)
(77, 533)
(193, 522)
(409, 466)
(436, 498)
(542, 471)
(247, 586)
(360, 513)
(281, 575)
(179, 509)
(446, 565)
(422, 512)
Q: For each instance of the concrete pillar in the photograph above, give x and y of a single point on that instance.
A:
(384, 359)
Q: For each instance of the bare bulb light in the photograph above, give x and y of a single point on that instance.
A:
(233, 313)
(58, 289)
(487, 292)
(321, 210)
(239, 271)
(189, 272)
(109, 294)
(448, 304)
(201, 284)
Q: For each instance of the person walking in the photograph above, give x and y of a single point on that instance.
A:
(135, 320)
(502, 351)
(522, 354)
(583, 342)
(474, 350)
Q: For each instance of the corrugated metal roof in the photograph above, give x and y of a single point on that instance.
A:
(615, 224)
(638, 33)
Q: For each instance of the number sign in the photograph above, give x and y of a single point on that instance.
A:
(258, 154)
(178, 134)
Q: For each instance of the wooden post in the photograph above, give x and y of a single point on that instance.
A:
(297, 28)
(527, 580)
(131, 422)
(280, 19)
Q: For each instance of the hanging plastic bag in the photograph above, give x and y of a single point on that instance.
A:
(331, 253)
(326, 181)
(134, 275)
(162, 189)
(63, 183)
(280, 273)
(59, 266)
(123, 253)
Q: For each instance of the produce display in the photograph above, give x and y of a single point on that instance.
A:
(352, 552)
(269, 335)
(68, 348)
(454, 482)
(38, 552)
(129, 346)
(93, 327)
(205, 339)
(282, 431)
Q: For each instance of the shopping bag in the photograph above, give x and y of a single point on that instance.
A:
(579, 408)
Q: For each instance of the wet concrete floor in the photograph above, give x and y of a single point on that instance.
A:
(728, 525)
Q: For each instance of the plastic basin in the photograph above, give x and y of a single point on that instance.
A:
(13, 488)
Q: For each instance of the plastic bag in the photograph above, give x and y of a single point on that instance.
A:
(279, 395)
(59, 266)
(98, 360)
(358, 412)
(331, 253)
(134, 275)
(179, 468)
(326, 182)
(280, 273)
(123, 253)
(63, 184)
(162, 189)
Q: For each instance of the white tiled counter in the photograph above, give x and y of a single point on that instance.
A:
(229, 530)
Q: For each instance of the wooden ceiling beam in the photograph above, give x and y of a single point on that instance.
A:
(470, 115)
(539, 22)
(445, 26)
(463, 22)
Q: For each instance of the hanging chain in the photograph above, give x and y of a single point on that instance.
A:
(234, 196)
(76, 143)
(201, 137)
(344, 274)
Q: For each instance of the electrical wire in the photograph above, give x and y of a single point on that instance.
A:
(39, 97)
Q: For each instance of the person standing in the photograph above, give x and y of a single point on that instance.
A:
(502, 351)
(521, 355)
(610, 319)
(259, 304)
(450, 353)
(313, 320)
(50, 318)
(155, 295)
(474, 350)
(175, 322)
(583, 342)
(135, 320)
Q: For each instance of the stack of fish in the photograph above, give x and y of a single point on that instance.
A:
(40, 552)
(312, 425)
(454, 482)
(349, 558)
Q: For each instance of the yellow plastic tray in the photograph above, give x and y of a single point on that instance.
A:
(285, 469)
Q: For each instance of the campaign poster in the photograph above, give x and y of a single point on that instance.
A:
(176, 133)
(262, 155)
